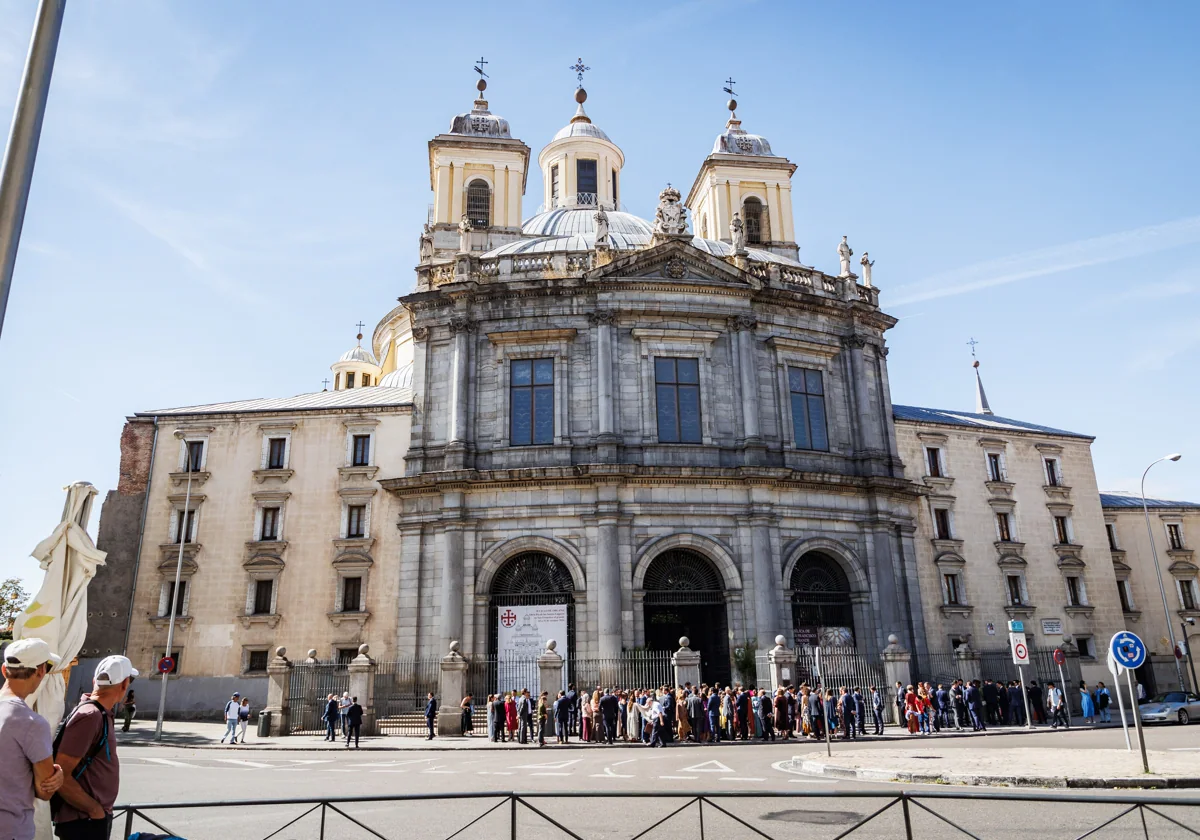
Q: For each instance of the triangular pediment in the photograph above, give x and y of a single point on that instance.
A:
(675, 260)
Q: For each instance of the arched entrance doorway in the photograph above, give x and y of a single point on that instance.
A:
(822, 613)
(532, 579)
(684, 596)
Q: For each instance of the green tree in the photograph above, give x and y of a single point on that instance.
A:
(13, 598)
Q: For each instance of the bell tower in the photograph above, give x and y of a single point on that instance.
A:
(477, 170)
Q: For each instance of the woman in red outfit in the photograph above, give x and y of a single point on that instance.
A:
(510, 716)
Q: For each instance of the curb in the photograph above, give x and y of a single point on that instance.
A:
(874, 774)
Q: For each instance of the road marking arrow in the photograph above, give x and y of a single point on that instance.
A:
(713, 766)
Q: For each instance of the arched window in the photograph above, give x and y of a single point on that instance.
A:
(479, 204)
(366, 383)
(822, 612)
(680, 576)
(531, 578)
(758, 230)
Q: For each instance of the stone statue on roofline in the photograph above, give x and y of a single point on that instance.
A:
(866, 268)
(737, 235)
(464, 234)
(601, 220)
(844, 254)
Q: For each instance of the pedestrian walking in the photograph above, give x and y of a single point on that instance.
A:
(1056, 704)
(243, 718)
(86, 749)
(331, 717)
(1087, 705)
(543, 714)
(26, 751)
(431, 711)
(354, 717)
(231, 718)
(128, 710)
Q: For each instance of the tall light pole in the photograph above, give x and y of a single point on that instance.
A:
(21, 152)
(1158, 571)
(184, 534)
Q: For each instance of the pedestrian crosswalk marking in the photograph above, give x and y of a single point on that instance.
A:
(626, 761)
(713, 766)
(742, 779)
(244, 763)
(550, 774)
(609, 774)
(550, 765)
(171, 763)
(679, 777)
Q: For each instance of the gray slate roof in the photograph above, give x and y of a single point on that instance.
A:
(917, 414)
(1126, 499)
(377, 397)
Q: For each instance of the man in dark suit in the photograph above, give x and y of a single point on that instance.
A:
(525, 716)
(877, 709)
(572, 699)
(1016, 705)
(562, 718)
(1001, 702)
(860, 711)
(974, 698)
(898, 698)
(767, 705)
(741, 703)
(609, 709)
(1035, 702)
(431, 710)
(990, 701)
(714, 716)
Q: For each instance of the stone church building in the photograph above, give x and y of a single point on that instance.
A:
(671, 426)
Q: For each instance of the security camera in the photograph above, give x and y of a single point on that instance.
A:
(1191, 621)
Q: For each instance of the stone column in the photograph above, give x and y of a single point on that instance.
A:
(279, 673)
(608, 588)
(970, 663)
(687, 663)
(766, 584)
(461, 327)
(745, 324)
(896, 668)
(362, 685)
(604, 320)
(452, 585)
(862, 403)
(782, 662)
(451, 688)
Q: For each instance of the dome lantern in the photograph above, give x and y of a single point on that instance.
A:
(357, 367)
(581, 166)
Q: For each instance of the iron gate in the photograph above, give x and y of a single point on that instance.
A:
(309, 686)
(402, 687)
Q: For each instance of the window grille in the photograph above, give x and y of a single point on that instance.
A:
(479, 207)
(755, 222)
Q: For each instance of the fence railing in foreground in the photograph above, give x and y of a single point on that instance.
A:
(1140, 814)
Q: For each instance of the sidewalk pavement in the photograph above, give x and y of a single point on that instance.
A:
(957, 764)
(206, 735)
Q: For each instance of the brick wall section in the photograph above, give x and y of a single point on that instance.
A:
(120, 525)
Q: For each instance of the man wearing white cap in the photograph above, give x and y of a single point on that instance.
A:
(87, 752)
(26, 762)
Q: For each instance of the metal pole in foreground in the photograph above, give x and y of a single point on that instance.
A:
(1066, 697)
(1137, 721)
(21, 152)
(1025, 697)
(185, 526)
(1188, 646)
(1162, 590)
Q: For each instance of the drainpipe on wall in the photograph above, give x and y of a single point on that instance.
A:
(137, 558)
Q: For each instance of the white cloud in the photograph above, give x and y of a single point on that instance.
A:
(1053, 260)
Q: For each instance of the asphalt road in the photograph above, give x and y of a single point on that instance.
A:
(776, 802)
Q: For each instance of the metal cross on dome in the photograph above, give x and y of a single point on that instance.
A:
(479, 68)
(730, 82)
(972, 344)
(579, 69)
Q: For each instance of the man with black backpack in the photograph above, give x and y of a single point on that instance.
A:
(87, 751)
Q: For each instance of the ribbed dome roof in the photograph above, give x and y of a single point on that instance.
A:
(735, 141)
(358, 354)
(581, 126)
(574, 229)
(401, 377)
(480, 122)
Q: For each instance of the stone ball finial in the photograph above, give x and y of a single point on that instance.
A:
(455, 646)
(312, 654)
(684, 641)
(281, 651)
(581, 96)
(481, 85)
(731, 105)
(363, 649)
(781, 640)
(551, 644)
(893, 639)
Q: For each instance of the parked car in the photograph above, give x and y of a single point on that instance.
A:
(1172, 706)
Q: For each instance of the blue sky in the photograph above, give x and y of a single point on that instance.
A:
(224, 189)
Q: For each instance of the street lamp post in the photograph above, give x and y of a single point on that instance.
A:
(1162, 589)
(185, 523)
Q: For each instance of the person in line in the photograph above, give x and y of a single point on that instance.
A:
(129, 709)
(846, 715)
(714, 717)
(958, 704)
(86, 749)
(525, 715)
(860, 711)
(900, 697)
(562, 718)
(782, 723)
(354, 717)
(431, 711)
(765, 719)
(1001, 702)
(912, 711)
(876, 709)
(1035, 702)
(510, 716)
(609, 712)
(331, 717)
(572, 697)
(499, 719)
(543, 714)
(974, 698)
(468, 710)
(243, 718)
(655, 715)
(1087, 705)
(1103, 701)
(344, 704)
(231, 718)
(1016, 703)
(26, 752)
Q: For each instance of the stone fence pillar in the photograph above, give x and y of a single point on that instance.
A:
(362, 685)
(782, 663)
(687, 663)
(279, 674)
(550, 668)
(451, 687)
(896, 667)
(970, 663)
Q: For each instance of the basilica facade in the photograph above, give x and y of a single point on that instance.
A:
(670, 427)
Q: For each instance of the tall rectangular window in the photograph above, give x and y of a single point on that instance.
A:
(1004, 527)
(361, 453)
(1053, 478)
(352, 594)
(1175, 535)
(1074, 592)
(677, 396)
(264, 592)
(1014, 590)
(185, 526)
(178, 599)
(270, 524)
(350, 379)
(1062, 530)
(933, 458)
(941, 518)
(808, 408)
(276, 449)
(1187, 594)
(585, 176)
(995, 468)
(531, 402)
(356, 522)
(554, 186)
(952, 589)
(1110, 528)
(195, 456)
(1126, 595)
(616, 198)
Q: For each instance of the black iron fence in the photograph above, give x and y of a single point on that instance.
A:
(975, 813)
(401, 690)
(635, 669)
(309, 686)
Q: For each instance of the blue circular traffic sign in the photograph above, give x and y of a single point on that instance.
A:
(1128, 650)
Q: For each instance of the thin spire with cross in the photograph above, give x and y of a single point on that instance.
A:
(729, 86)
(579, 69)
(972, 344)
(479, 68)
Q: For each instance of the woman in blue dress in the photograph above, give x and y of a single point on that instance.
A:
(1087, 704)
